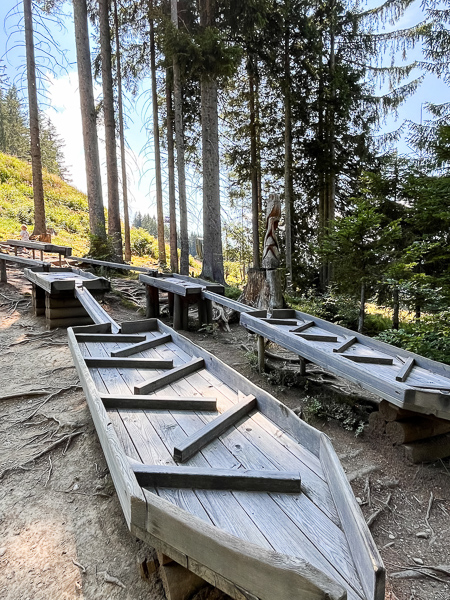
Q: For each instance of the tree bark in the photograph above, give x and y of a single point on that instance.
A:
(181, 163)
(126, 218)
(89, 122)
(36, 161)
(254, 165)
(288, 160)
(159, 200)
(114, 229)
(362, 308)
(212, 227)
(171, 169)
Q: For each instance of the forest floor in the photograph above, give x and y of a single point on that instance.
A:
(62, 532)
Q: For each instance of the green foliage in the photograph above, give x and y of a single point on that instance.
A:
(143, 244)
(332, 306)
(428, 337)
(232, 292)
(351, 416)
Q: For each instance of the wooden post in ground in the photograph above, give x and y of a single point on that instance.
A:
(151, 302)
(38, 300)
(261, 354)
(170, 302)
(3, 276)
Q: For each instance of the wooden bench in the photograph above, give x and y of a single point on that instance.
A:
(29, 262)
(40, 247)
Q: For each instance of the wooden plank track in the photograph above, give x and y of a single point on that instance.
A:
(375, 360)
(213, 429)
(302, 327)
(144, 345)
(109, 337)
(159, 381)
(158, 402)
(346, 345)
(217, 479)
(405, 371)
(96, 312)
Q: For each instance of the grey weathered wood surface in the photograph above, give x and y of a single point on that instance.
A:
(171, 284)
(128, 363)
(143, 345)
(213, 429)
(304, 525)
(405, 371)
(346, 344)
(111, 265)
(65, 279)
(95, 311)
(217, 479)
(158, 402)
(224, 301)
(44, 246)
(217, 288)
(110, 337)
(158, 381)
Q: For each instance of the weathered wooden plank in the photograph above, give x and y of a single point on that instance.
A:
(170, 284)
(158, 402)
(69, 322)
(96, 312)
(362, 547)
(302, 327)
(139, 326)
(128, 363)
(144, 345)
(93, 329)
(212, 286)
(415, 428)
(428, 450)
(109, 337)
(375, 360)
(111, 265)
(213, 429)
(346, 345)
(159, 381)
(228, 302)
(283, 313)
(279, 321)
(317, 337)
(406, 369)
(217, 479)
(64, 313)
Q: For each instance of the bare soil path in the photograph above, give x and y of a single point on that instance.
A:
(62, 533)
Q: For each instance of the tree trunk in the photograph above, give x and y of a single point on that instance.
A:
(253, 165)
(288, 160)
(114, 229)
(159, 200)
(171, 169)
(181, 163)
(212, 228)
(126, 218)
(396, 311)
(89, 122)
(36, 162)
(362, 308)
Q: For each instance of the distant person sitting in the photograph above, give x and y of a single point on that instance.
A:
(24, 235)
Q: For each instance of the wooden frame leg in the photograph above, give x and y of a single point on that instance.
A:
(170, 302)
(202, 318)
(3, 276)
(176, 312)
(209, 311)
(184, 313)
(151, 302)
(302, 366)
(261, 353)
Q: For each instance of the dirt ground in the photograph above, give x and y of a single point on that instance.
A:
(62, 532)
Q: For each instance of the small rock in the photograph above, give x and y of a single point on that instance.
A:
(423, 534)
(76, 487)
(418, 561)
(2, 551)
(391, 536)
(358, 500)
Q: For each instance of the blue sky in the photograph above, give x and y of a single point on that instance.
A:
(63, 107)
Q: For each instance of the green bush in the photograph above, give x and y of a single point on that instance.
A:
(143, 244)
(429, 337)
(331, 306)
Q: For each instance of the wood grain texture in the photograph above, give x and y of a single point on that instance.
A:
(266, 574)
(140, 326)
(217, 479)
(317, 337)
(302, 327)
(128, 363)
(346, 345)
(213, 429)
(224, 301)
(374, 360)
(110, 265)
(158, 402)
(405, 371)
(109, 337)
(159, 381)
(365, 554)
(170, 284)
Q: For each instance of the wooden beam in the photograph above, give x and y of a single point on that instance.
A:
(283, 313)
(376, 360)
(139, 326)
(317, 337)
(127, 363)
(145, 345)
(261, 353)
(279, 321)
(158, 402)
(346, 345)
(213, 429)
(216, 479)
(159, 381)
(110, 265)
(302, 327)
(405, 370)
(109, 337)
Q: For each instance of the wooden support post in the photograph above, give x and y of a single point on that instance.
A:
(184, 313)
(3, 276)
(302, 366)
(151, 302)
(179, 583)
(38, 299)
(170, 302)
(209, 311)
(201, 312)
(176, 312)
(261, 354)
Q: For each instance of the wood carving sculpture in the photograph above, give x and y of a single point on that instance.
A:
(271, 251)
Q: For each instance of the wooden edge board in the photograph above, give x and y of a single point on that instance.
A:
(111, 265)
(139, 326)
(158, 402)
(302, 327)
(144, 345)
(127, 363)
(376, 360)
(216, 479)
(267, 574)
(283, 313)
(178, 287)
(109, 337)
(317, 337)
(159, 381)
(346, 345)
(96, 328)
(272, 321)
(228, 302)
(119, 467)
(22, 260)
(213, 429)
(272, 408)
(212, 286)
(405, 370)
(366, 557)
